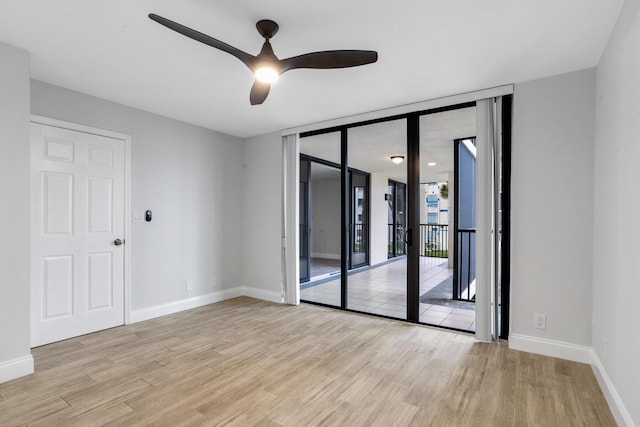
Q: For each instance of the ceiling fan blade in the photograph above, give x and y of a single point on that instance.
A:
(330, 59)
(246, 58)
(259, 92)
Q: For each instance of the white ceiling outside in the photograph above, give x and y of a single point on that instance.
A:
(427, 49)
(371, 146)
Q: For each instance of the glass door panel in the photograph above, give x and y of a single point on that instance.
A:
(381, 288)
(322, 233)
(440, 199)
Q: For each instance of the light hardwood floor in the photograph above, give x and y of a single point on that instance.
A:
(248, 362)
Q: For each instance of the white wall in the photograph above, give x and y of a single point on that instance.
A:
(190, 177)
(552, 205)
(261, 236)
(616, 269)
(15, 353)
(325, 216)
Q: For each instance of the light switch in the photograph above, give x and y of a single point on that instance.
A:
(138, 216)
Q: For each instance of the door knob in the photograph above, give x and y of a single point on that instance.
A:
(118, 242)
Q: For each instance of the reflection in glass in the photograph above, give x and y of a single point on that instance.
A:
(320, 219)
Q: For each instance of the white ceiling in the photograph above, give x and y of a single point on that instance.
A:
(427, 49)
(371, 146)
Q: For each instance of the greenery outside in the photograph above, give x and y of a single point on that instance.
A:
(437, 253)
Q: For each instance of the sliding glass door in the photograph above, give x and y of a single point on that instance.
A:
(396, 198)
(381, 288)
(447, 194)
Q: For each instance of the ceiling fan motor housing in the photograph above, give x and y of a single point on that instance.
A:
(267, 28)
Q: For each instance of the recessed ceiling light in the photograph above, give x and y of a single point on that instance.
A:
(397, 159)
(431, 164)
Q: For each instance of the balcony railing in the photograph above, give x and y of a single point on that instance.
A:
(359, 237)
(434, 240)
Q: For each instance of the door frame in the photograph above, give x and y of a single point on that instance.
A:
(352, 211)
(127, 194)
(349, 207)
(413, 182)
(394, 213)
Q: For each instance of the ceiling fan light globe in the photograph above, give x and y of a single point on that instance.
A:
(267, 75)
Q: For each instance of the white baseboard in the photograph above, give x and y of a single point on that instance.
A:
(16, 368)
(185, 304)
(200, 300)
(576, 353)
(325, 256)
(616, 405)
(559, 349)
(262, 294)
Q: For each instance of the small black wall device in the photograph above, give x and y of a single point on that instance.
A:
(148, 215)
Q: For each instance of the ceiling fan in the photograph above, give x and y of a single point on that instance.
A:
(266, 66)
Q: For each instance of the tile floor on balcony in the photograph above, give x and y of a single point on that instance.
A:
(382, 290)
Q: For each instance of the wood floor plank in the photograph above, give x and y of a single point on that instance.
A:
(112, 390)
(245, 362)
(27, 410)
(83, 416)
(390, 413)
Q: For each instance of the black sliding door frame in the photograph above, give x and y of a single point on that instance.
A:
(413, 205)
(413, 220)
(344, 218)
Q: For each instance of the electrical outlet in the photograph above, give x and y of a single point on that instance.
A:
(540, 321)
(188, 286)
(214, 283)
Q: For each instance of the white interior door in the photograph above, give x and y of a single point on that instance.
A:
(77, 196)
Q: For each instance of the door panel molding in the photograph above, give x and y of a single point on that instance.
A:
(59, 152)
